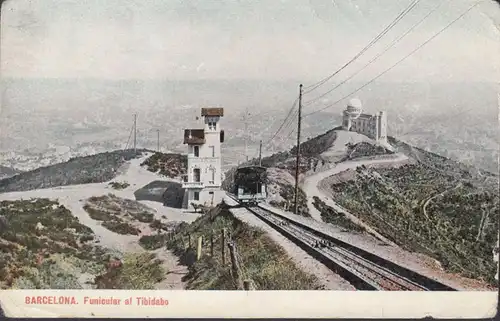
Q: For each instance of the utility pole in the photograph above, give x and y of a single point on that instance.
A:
(158, 140)
(260, 153)
(297, 163)
(246, 135)
(135, 134)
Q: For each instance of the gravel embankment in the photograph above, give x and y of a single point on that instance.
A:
(306, 262)
(413, 261)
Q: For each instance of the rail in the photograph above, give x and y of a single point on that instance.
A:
(416, 277)
(364, 270)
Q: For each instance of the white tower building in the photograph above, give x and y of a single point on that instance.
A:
(203, 181)
(373, 126)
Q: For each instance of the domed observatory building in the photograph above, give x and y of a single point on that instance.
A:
(373, 126)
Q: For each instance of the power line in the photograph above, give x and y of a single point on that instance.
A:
(377, 38)
(390, 46)
(283, 123)
(129, 136)
(397, 63)
(135, 134)
(287, 126)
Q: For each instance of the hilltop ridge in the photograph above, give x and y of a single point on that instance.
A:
(96, 168)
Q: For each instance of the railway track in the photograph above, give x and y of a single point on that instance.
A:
(364, 270)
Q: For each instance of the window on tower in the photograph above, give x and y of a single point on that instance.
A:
(196, 174)
(197, 151)
(212, 125)
(212, 181)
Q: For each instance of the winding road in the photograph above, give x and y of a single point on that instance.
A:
(310, 187)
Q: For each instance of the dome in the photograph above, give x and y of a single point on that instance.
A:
(354, 108)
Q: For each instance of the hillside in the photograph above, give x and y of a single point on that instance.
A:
(6, 172)
(79, 170)
(317, 154)
(45, 247)
(169, 165)
(432, 205)
(88, 235)
(260, 259)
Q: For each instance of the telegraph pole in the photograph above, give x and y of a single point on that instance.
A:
(260, 153)
(297, 163)
(158, 140)
(135, 133)
(246, 134)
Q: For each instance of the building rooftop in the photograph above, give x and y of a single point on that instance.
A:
(194, 136)
(212, 112)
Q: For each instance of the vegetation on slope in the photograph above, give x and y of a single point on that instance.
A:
(170, 165)
(120, 215)
(260, 259)
(431, 207)
(119, 185)
(330, 215)
(42, 245)
(287, 193)
(7, 172)
(79, 170)
(139, 271)
(364, 149)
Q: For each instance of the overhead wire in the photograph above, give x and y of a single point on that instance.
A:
(398, 62)
(129, 136)
(290, 123)
(294, 105)
(379, 36)
(401, 15)
(390, 46)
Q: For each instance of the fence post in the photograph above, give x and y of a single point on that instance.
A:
(247, 285)
(198, 250)
(234, 265)
(223, 247)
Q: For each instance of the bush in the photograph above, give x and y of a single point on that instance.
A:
(157, 224)
(121, 227)
(170, 165)
(140, 271)
(118, 185)
(153, 242)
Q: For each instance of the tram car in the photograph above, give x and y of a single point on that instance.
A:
(250, 184)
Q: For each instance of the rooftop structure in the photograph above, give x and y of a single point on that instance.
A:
(371, 125)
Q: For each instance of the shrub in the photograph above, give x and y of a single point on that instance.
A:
(153, 242)
(118, 185)
(140, 271)
(121, 227)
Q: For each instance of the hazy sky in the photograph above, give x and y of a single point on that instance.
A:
(272, 39)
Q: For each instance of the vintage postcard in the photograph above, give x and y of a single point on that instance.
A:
(239, 158)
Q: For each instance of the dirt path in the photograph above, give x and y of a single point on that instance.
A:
(73, 197)
(424, 207)
(311, 187)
